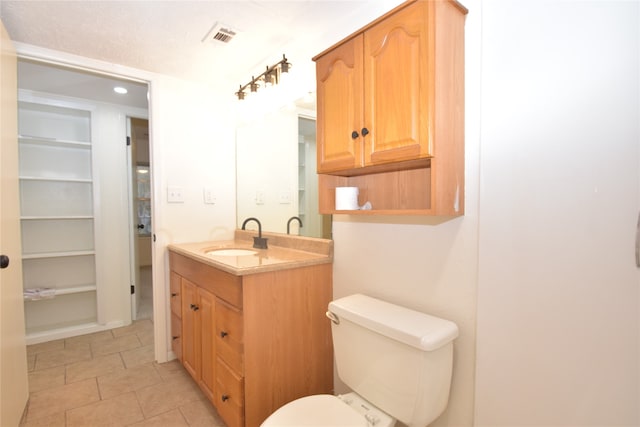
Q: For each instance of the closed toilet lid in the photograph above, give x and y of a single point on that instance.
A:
(319, 410)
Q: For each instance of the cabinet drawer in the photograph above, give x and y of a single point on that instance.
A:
(176, 336)
(175, 296)
(229, 335)
(229, 397)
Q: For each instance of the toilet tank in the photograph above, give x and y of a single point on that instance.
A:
(398, 359)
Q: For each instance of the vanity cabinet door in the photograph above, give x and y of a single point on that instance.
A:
(190, 329)
(176, 314)
(229, 398)
(229, 334)
(339, 107)
(206, 313)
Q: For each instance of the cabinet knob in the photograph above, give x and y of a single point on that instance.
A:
(225, 397)
(174, 294)
(194, 307)
(354, 134)
(223, 334)
(365, 131)
(175, 337)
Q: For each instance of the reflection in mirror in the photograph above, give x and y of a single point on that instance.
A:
(276, 172)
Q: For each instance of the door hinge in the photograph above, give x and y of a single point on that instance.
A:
(133, 289)
(154, 237)
(128, 141)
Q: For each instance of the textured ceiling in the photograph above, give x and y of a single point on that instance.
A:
(166, 36)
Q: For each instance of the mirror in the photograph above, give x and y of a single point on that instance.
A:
(276, 170)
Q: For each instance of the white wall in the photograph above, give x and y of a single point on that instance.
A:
(558, 325)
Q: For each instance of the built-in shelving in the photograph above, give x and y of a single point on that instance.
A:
(57, 217)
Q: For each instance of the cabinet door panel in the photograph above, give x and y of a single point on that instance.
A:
(190, 329)
(176, 298)
(206, 313)
(176, 336)
(396, 87)
(229, 398)
(229, 336)
(339, 107)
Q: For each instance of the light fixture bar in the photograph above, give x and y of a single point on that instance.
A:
(270, 76)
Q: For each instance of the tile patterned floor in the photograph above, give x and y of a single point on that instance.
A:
(110, 379)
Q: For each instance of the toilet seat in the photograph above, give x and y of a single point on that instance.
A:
(326, 410)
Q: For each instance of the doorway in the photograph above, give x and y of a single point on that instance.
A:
(141, 259)
(46, 91)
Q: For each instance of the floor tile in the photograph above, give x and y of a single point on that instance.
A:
(119, 411)
(116, 383)
(51, 401)
(45, 346)
(88, 338)
(165, 369)
(146, 337)
(55, 420)
(167, 395)
(201, 414)
(144, 325)
(46, 378)
(138, 356)
(92, 368)
(115, 345)
(49, 359)
(172, 418)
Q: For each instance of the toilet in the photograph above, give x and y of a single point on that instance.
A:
(397, 362)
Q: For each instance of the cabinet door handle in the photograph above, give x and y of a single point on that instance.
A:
(225, 397)
(175, 337)
(223, 334)
(173, 294)
(354, 134)
(194, 307)
(365, 132)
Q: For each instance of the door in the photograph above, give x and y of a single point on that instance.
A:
(396, 87)
(14, 390)
(140, 179)
(340, 101)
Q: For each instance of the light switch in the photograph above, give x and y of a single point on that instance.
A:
(209, 197)
(259, 197)
(174, 195)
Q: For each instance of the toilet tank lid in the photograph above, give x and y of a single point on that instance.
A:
(411, 327)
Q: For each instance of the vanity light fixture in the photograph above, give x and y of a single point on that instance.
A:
(271, 76)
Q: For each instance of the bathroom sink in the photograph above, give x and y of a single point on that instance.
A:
(231, 252)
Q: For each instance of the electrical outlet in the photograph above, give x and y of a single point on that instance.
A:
(174, 195)
(285, 197)
(209, 197)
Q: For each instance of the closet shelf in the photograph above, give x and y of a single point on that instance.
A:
(50, 217)
(64, 291)
(53, 141)
(55, 179)
(57, 254)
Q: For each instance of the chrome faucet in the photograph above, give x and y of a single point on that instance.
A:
(258, 242)
(291, 219)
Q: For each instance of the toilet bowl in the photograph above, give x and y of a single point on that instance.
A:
(347, 410)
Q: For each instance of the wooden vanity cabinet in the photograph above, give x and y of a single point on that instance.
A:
(256, 342)
(390, 99)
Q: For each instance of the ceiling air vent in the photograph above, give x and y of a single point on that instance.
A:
(220, 33)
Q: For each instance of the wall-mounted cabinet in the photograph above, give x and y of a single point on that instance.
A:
(57, 216)
(390, 119)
